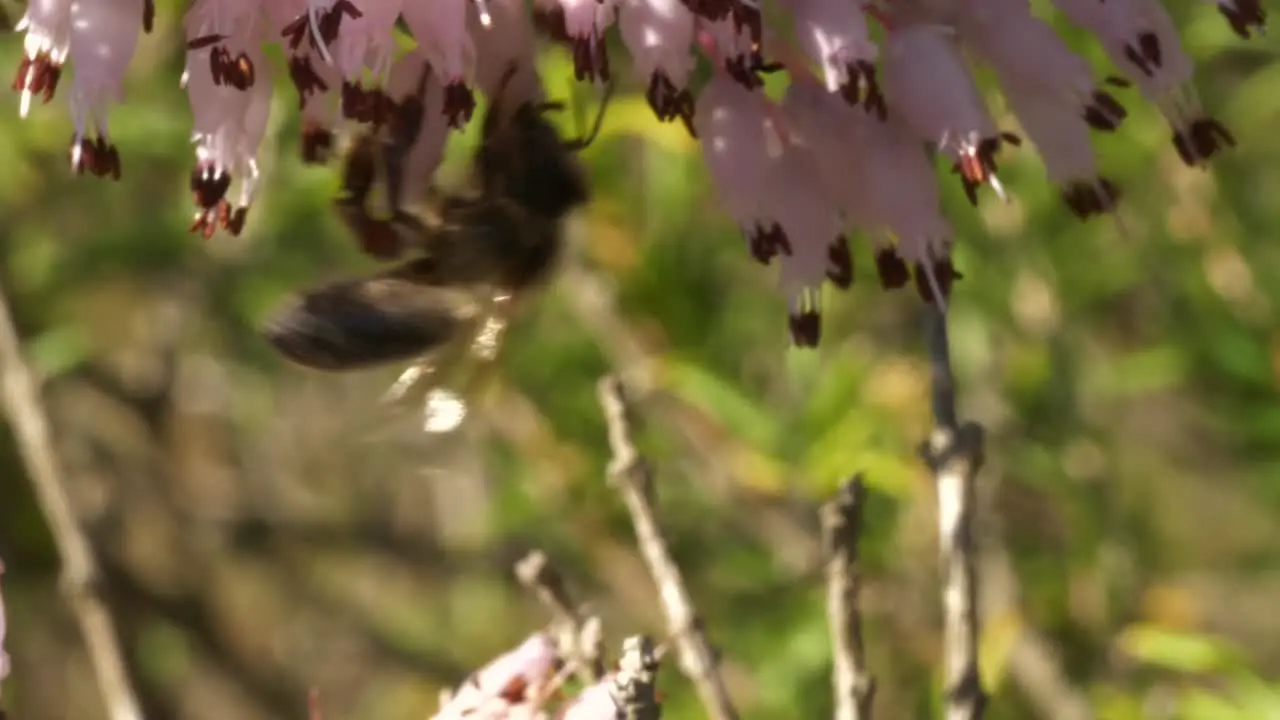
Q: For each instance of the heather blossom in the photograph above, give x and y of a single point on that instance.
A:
(877, 88)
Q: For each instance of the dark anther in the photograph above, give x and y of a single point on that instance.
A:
(317, 145)
(840, 270)
(148, 15)
(209, 186)
(459, 104)
(1149, 44)
(806, 328)
(1132, 55)
(234, 222)
(1086, 199)
(1246, 17)
(944, 273)
(305, 79)
(205, 41)
(891, 268)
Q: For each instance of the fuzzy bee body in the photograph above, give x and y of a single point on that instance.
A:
(471, 253)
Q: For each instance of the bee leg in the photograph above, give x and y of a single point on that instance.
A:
(359, 175)
(584, 141)
(406, 126)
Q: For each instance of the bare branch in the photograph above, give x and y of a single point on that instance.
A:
(855, 688)
(80, 577)
(583, 639)
(954, 455)
(634, 684)
(631, 475)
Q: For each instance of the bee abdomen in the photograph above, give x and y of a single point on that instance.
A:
(350, 325)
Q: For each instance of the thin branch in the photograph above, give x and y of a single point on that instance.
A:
(583, 639)
(634, 684)
(80, 577)
(954, 455)
(632, 476)
(855, 688)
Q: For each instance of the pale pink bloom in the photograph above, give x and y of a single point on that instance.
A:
(833, 33)
(229, 125)
(580, 24)
(1024, 51)
(660, 35)
(734, 45)
(802, 209)
(440, 27)
(595, 702)
(879, 177)
(933, 92)
(738, 148)
(47, 24)
(428, 149)
(1140, 39)
(509, 686)
(505, 40)
(104, 34)
(367, 42)
(1062, 139)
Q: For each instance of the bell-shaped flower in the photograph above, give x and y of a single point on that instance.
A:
(660, 36)
(412, 80)
(440, 27)
(738, 147)
(503, 34)
(595, 702)
(1026, 52)
(104, 34)
(1140, 39)
(809, 223)
(833, 33)
(935, 95)
(508, 685)
(581, 25)
(47, 40)
(229, 125)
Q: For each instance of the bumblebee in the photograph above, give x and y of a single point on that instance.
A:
(471, 253)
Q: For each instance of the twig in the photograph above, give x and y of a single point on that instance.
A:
(80, 577)
(631, 475)
(584, 641)
(634, 685)
(954, 455)
(841, 517)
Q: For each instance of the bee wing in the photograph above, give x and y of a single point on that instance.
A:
(362, 322)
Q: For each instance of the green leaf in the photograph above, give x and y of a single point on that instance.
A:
(58, 350)
(1178, 651)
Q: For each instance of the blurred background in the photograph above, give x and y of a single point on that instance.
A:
(265, 529)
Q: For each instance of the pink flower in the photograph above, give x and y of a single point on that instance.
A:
(580, 24)
(659, 34)
(595, 702)
(1140, 39)
(504, 37)
(230, 119)
(834, 34)
(509, 686)
(935, 95)
(428, 150)
(47, 24)
(440, 27)
(104, 34)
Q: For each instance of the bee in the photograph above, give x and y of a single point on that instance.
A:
(472, 252)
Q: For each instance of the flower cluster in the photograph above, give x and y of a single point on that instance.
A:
(877, 88)
(520, 685)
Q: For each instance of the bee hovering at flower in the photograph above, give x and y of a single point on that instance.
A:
(474, 253)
